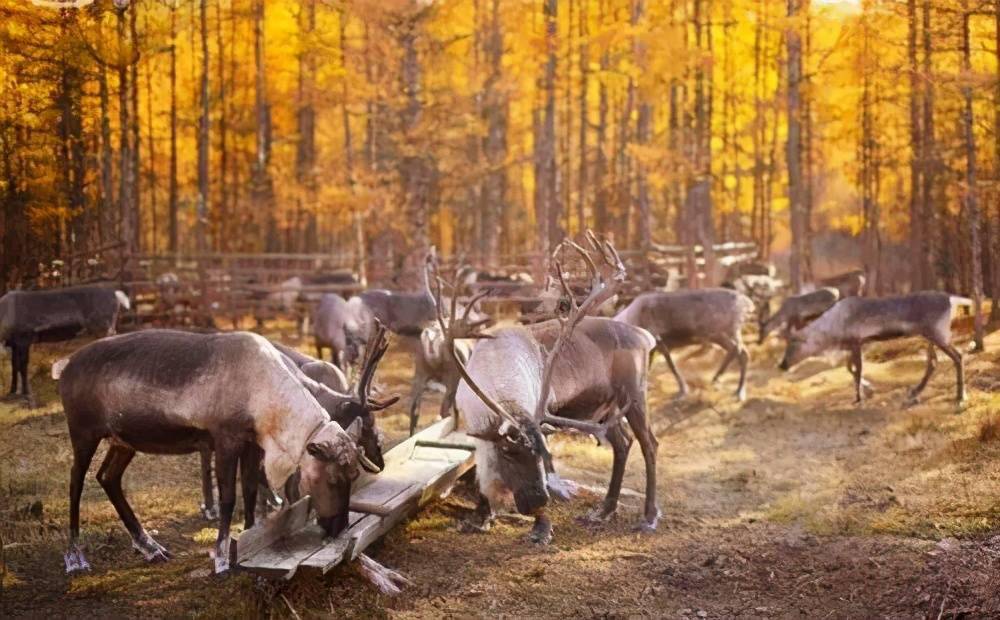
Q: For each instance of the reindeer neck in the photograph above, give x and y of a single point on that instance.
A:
(286, 419)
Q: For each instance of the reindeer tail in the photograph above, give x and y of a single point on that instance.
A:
(58, 367)
(123, 300)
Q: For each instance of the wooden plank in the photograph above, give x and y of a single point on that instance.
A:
(270, 530)
(380, 492)
(434, 453)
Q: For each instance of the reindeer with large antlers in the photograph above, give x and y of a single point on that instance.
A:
(574, 372)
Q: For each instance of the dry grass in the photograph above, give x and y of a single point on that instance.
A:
(744, 482)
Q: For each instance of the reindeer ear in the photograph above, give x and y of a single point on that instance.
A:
(354, 430)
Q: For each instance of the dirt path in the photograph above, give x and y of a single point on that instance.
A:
(793, 504)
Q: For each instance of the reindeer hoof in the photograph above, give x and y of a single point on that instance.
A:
(75, 561)
(467, 526)
(209, 514)
(541, 535)
(221, 566)
(152, 551)
(598, 516)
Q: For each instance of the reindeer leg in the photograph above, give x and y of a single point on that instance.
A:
(482, 518)
(639, 421)
(857, 363)
(541, 531)
(110, 476)
(681, 384)
(730, 356)
(865, 385)
(249, 472)
(83, 454)
(208, 510)
(931, 365)
(15, 367)
(744, 357)
(226, 461)
(23, 360)
(448, 400)
(621, 444)
(319, 351)
(416, 395)
(956, 359)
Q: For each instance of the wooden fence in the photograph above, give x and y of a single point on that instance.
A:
(192, 288)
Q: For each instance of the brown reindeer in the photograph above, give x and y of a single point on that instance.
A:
(170, 392)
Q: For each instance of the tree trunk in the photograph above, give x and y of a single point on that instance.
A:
(793, 147)
(305, 154)
(548, 145)
(173, 189)
(134, 131)
(583, 172)
(222, 209)
(642, 135)
(971, 197)
(203, 144)
(495, 143)
(126, 183)
(929, 157)
(262, 187)
(916, 221)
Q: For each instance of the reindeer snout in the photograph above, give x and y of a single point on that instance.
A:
(332, 526)
(784, 365)
(528, 501)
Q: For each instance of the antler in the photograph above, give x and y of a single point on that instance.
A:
(448, 332)
(603, 287)
(598, 429)
(378, 343)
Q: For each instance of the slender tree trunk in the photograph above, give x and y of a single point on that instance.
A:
(126, 184)
(929, 156)
(107, 165)
(548, 145)
(173, 188)
(222, 209)
(414, 169)
(601, 164)
(203, 139)
(971, 197)
(916, 221)
(262, 187)
(134, 131)
(793, 148)
(151, 157)
(495, 143)
(583, 172)
(643, 132)
(305, 155)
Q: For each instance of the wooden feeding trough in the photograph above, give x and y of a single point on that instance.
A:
(418, 470)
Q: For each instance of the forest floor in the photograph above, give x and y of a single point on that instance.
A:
(795, 503)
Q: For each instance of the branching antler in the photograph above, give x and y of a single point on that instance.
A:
(378, 343)
(605, 283)
(457, 328)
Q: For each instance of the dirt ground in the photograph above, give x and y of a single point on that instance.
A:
(793, 504)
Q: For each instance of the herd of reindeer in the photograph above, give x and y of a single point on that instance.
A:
(294, 424)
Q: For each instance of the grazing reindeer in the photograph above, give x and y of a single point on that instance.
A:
(573, 372)
(798, 310)
(682, 318)
(343, 327)
(759, 282)
(330, 389)
(855, 321)
(56, 315)
(170, 392)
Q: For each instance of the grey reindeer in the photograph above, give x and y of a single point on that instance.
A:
(574, 372)
(687, 317)
(28, 317)
(856, 321)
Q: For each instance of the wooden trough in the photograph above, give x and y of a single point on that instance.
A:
(418, 470)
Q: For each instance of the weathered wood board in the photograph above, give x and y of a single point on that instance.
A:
(417, 471)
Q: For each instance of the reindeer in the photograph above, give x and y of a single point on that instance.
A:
(170, 392)
(682, 318)
(343, 327)
(56, 315)
(434, 363)
(573, 372)
(796, 311)
(344, 405)
(855, 321)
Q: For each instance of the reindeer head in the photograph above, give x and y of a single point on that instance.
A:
(516, 454)
(801, 344)
(328, 469)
